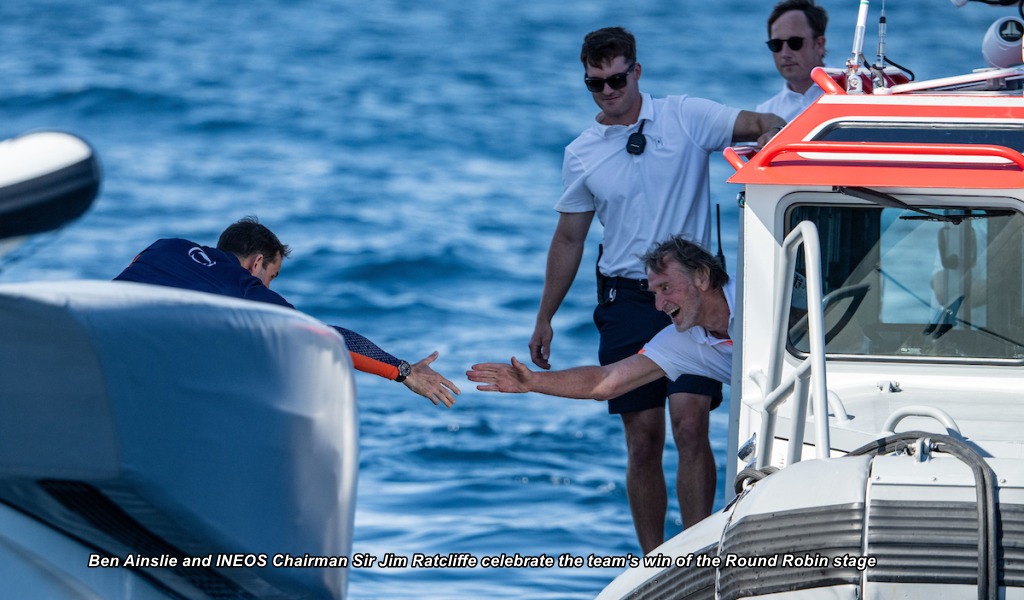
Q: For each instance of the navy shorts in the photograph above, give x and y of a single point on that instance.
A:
(626, 324)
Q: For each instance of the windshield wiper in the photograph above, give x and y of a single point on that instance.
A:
(956, 218)
(887, 200)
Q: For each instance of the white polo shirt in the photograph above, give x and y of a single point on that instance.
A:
(694, 351)
(788, 104)
(644, 199)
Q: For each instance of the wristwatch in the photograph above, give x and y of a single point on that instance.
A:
(404, 369)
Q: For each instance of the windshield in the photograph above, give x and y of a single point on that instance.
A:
(899, 283)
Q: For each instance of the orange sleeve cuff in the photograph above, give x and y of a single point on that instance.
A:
(375, 367)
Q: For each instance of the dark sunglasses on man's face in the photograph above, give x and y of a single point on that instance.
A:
(617, 81)
(795, 43)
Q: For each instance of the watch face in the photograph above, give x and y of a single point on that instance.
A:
(404, 369)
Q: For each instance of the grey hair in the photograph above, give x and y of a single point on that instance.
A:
(690, 256)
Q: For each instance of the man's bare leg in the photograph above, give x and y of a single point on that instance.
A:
(645, 475)
(696, 477)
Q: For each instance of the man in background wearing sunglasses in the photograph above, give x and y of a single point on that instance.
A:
(796, 38)
(642, 168)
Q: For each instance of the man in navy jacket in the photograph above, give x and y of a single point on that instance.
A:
(246, 260)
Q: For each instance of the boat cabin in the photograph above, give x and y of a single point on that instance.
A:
(896, 217)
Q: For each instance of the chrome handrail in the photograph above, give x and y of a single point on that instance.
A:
(776, 391)
(934, 412)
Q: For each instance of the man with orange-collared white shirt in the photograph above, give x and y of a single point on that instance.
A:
(693, 289)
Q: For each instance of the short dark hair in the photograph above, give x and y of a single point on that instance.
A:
(690, 256)
(247, 236)
(817, 17)
(603, 45)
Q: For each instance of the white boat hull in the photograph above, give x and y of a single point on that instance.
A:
(154, 423)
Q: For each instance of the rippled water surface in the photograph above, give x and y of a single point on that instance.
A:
(410, 153)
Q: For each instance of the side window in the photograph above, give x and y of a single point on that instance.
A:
(989, 134)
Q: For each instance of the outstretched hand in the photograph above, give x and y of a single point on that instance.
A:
(430, 384)
(499, 377)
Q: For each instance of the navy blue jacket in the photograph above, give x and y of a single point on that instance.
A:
(183, 264)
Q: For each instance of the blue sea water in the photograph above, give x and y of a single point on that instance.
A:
(410, 153)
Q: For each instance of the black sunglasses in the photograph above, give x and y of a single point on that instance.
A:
(617, 81)
(795, 43)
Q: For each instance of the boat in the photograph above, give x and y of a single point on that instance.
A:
(876, 435)
(158, 443)
(47, 179)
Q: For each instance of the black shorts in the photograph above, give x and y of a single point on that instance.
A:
(626, 324)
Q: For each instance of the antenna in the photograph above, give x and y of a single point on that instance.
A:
(721, 255)
(854, 85)
(858, 36)
(878, 69)
(881, 37)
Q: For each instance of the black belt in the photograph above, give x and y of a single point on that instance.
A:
(626, 283)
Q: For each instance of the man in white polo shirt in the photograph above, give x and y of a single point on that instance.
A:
(796, 38)
(692, 288)
(641, 168)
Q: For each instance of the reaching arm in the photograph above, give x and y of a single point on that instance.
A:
(423, 380)
(430, 384)
(598, 383)
(759, 127)
(564, 257)
(369, 357)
